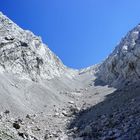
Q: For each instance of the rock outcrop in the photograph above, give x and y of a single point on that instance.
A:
(123, 65)
(24, 54)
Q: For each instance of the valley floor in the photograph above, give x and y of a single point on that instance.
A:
(89, 111)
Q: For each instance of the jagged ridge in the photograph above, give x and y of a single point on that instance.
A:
(24, 54)
(123, 65)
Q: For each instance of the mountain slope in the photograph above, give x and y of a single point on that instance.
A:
(34, 82)
(24, 54)
(123, 65)
(114, 112)
(42, 99)
(24, 59)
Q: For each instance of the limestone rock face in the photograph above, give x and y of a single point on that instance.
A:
(24, 54)
(123, 65)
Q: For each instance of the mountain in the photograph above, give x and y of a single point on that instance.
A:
(25, 60)
(33, 79)
(116, 84)
(24, 54)
(123, 65)
(42, 99)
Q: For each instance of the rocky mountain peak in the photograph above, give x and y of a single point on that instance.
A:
(24, 54)
(123, 65)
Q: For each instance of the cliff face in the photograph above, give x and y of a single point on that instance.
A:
(123, 65)
(24, 54)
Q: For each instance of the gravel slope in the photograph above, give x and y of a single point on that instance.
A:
(42, 99)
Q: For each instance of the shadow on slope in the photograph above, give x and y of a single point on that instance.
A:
(120, 101)
(99, 82)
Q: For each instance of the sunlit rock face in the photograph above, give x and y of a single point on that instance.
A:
(24, 54)
(123, 65)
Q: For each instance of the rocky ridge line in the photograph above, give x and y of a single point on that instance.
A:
(123, 65)
(24, 54)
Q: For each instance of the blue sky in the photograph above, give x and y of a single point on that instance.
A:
(80, 32)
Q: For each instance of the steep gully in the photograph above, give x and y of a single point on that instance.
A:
(43, 99)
